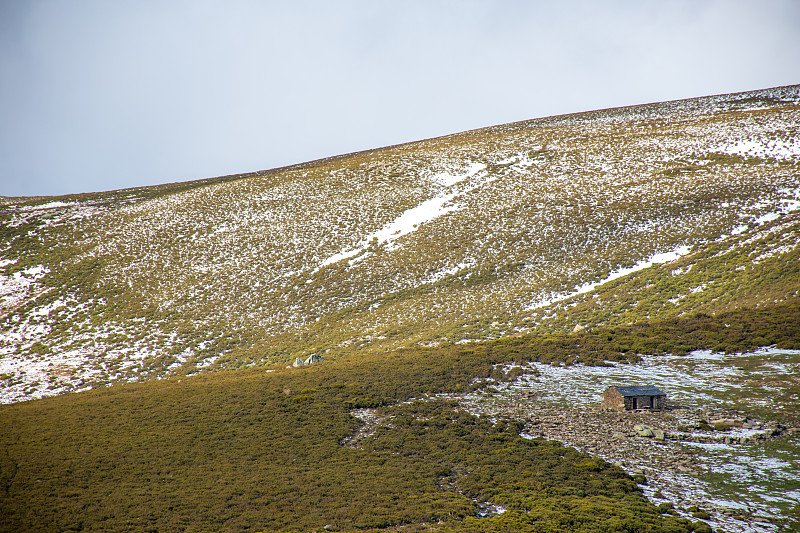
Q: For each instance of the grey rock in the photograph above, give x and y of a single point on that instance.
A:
(645, 431)
(314, 358)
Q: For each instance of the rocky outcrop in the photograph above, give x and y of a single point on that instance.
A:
(314, 358)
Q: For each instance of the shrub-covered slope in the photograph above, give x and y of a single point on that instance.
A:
(460, 238)
(281, 450)
(750, 270)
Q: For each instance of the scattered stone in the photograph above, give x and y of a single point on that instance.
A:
(589, 428)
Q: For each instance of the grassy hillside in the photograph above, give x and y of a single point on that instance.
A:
(421, 272)
(461, 238)
(281, 450)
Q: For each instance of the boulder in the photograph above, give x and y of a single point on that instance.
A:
(314, 359)
(646, 431)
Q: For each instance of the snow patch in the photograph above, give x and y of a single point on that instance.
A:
(49, 205)
(406, 223)
(410, 220)
(739, 229)
(443, 273)
(447, 179)
(656, 259)
(777, 148)
(16, 288)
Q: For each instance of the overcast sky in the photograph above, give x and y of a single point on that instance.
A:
(99, 95)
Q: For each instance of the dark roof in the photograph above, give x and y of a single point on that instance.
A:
(648, 390)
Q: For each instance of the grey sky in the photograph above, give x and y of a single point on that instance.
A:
(98, 95)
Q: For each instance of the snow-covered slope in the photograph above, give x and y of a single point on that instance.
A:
(459, 238)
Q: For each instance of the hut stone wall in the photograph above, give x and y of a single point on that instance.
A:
(614, 399)
(659, 403)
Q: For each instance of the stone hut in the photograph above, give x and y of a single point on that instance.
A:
(629, 398)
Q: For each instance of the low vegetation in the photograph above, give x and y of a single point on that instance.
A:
(753, 269)
(417, 271)
(503, 224)
(264, 449)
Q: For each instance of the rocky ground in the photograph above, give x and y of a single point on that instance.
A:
(613, 435)
(670, 453)
(670, 467)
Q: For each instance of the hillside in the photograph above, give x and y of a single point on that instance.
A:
(405, 441)
(456, 239)
(471, 296)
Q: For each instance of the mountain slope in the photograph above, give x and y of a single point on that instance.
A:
(306, 449)
(752, 269)
(256, 451)
(455, 239)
